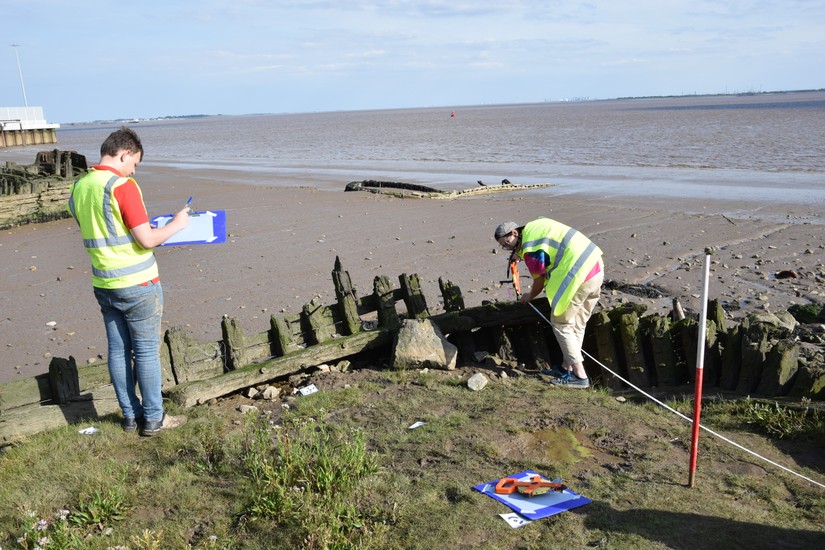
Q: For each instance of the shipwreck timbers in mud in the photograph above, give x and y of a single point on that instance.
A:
(39, 191)
(414, 190)
(757, 357)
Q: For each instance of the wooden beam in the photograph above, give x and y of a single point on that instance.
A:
(194, 393)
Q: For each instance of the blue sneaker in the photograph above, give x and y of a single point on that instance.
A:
(570, 380)
(555, 372)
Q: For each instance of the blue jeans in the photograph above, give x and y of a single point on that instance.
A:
(132, 317)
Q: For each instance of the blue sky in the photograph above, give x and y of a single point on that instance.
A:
(88, 60)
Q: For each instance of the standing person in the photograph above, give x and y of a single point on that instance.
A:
(108, 206)
(568, 267)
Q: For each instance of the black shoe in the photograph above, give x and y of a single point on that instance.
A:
(153, 427)
(130, 424)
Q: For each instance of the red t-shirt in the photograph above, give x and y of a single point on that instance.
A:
(128, 197)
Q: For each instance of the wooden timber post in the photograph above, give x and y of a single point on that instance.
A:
(385, 300)
(536, 342)
(454, 303)
(233, 337)
(731, 358)
(657, 330)
(413, 297)
(177, 343)
(283, 341)
(606, 348)
(501, 342)
(64, 380)
(318, 321)
(684, 334)
(637, 371)
(345, 294)
(453, 300)
(755, 347)
(781, 365)
(713, 353)
(716, 313)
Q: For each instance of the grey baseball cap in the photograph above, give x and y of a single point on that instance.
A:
(504, 229)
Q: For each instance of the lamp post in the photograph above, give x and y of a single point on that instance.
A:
(20, 71)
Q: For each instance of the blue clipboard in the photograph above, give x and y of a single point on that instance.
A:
(536, 507)
(207, 227)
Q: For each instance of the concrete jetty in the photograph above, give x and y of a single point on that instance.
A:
(21, 126)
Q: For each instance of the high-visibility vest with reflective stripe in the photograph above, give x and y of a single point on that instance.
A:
(571, 257)
(118, 261)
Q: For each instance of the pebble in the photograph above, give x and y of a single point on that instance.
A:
(477, 382)
(270, 393)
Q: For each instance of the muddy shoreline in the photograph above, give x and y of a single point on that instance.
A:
(283, 240)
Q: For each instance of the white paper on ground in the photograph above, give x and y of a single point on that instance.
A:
(514, 520)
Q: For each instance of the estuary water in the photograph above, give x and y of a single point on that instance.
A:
(762, 147)
(629, 168)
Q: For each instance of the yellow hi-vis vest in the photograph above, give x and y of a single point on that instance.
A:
(571, 257)
(118, 261)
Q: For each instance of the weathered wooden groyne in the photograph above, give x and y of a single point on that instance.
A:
(39, 191)
(765, 355)
(414, 190)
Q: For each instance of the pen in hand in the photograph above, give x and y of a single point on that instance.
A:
(187, 205)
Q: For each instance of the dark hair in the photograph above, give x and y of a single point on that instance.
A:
(124, 139)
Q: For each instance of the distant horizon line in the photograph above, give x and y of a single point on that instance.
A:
(578, 99)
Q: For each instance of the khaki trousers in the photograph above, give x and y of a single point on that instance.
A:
(569, 326)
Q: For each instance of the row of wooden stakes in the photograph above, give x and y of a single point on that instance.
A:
(649, 351)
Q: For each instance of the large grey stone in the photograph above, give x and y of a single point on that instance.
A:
(420, 344)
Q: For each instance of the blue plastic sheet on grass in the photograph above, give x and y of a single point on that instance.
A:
(534, 507)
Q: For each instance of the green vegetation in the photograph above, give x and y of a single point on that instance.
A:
(779, 421)
(341, 469)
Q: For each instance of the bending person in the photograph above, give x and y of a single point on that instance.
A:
(568, 267)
